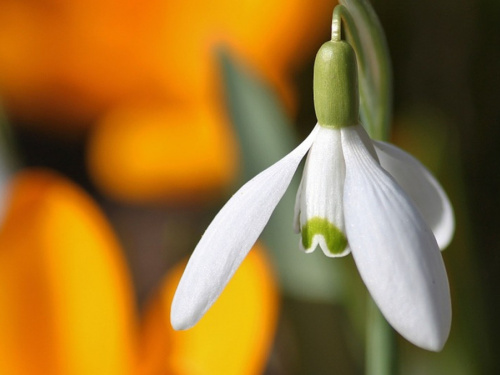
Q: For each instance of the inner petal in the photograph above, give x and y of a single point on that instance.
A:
(319, 231)
(319, 200)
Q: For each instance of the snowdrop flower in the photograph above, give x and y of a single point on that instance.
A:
(356, 195)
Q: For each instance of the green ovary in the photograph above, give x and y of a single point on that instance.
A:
(335, 240)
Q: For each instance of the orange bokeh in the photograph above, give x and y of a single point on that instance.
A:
(68, 61)
(233, 338)
(63, 60)
(66, 302)
(71, 65)
(147, 153)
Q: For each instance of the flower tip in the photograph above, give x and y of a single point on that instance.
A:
(438, 343)
(433, 334)
(435, 342)
(436, 346)
(183, 314)
(179, 319)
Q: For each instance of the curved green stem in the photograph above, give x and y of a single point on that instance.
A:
(363, 31)
(341, 13)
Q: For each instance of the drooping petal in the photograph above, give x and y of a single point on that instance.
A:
(395, 251)
(319, 211)
(422, 188)
(230, 236)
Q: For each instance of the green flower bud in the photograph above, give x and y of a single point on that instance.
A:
(336, 98)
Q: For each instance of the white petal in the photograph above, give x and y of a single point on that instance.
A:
(422, 188)
(296, 211)
(230, 236)
(319, 199)
(395, 251)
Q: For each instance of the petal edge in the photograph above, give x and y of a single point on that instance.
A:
(230, 236)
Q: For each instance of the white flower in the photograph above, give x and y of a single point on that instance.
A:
(357, 195)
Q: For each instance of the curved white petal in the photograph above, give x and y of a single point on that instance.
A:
(230, 236)
(395, 251)
(422, 188)
(319, 199)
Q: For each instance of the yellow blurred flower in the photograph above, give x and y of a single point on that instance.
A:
(74, 59)
(65, 64)
(62, 63)
(151, 153)
(234, 337)
(66, 301)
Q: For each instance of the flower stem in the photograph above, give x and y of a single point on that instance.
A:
(381, 358)
(357, 21)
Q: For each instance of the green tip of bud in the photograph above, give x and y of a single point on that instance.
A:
(336, 98)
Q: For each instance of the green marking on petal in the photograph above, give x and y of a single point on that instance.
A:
(336, 241)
